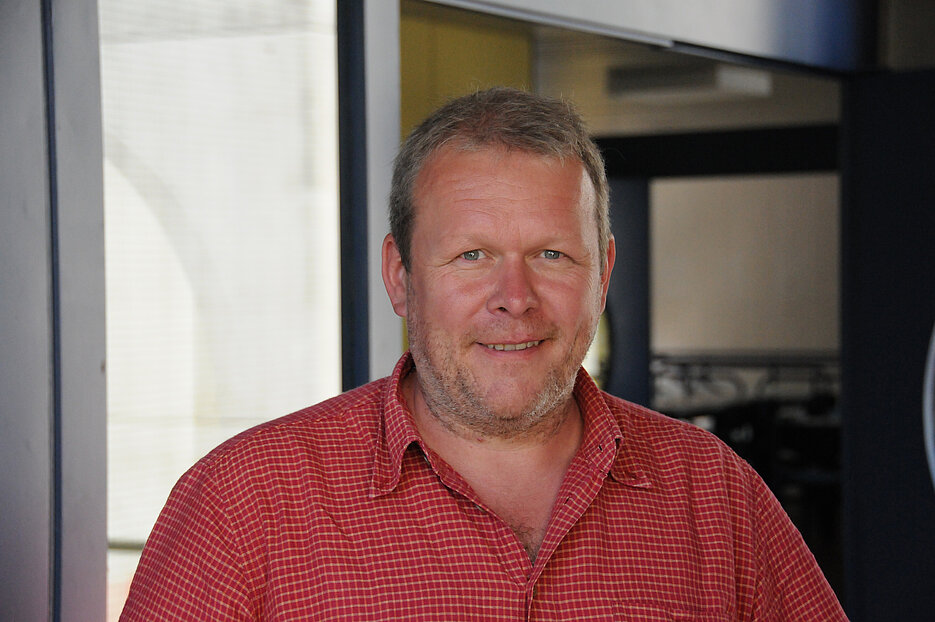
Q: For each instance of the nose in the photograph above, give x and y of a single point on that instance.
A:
(514, 289)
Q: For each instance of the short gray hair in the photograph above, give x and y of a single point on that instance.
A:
(498, 117)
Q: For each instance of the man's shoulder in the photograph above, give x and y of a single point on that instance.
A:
(652, 424)
(351, 419)
(662, 442)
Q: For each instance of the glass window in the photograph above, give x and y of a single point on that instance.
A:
(222, 252)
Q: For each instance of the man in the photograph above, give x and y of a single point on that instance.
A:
(487, 477)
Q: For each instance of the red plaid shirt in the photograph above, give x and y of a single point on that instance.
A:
(338, 512)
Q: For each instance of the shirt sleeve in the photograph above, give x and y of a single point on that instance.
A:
(789, 583)
(191, 567)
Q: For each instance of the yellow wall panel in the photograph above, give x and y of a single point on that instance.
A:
(445, 53)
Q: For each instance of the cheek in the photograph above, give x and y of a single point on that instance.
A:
(465, 288)
(448, 302)
(576, 299)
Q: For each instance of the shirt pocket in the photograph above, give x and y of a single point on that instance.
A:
(642, 611)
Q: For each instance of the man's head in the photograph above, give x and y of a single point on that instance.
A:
(502, 268)
(496, 118)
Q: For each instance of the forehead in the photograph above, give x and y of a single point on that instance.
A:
(496, 177)
(501, 201)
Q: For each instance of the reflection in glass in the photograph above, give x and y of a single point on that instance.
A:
(221, 235)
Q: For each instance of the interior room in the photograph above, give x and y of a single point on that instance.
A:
(741, 265)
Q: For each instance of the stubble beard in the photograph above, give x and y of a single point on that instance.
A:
(454, 394)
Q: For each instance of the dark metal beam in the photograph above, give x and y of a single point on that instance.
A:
(352, 148)
(734, 152)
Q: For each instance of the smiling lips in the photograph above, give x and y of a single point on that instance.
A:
(509, 347)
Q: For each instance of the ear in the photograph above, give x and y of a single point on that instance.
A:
(395, 277)
(608, 268)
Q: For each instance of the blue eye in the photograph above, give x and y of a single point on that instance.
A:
(550, 254)
(472, 255)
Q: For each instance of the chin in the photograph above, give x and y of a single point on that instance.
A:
(551, 397)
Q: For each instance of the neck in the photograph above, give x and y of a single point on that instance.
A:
(518, 478)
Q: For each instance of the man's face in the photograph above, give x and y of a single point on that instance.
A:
(506, 286)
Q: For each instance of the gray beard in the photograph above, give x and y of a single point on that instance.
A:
(455, 402)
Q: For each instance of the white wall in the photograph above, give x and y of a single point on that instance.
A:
(575, 66)
(745, 263)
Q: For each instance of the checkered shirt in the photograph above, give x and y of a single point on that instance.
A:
(339, 512)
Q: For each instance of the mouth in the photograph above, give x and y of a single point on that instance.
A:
(510, 347)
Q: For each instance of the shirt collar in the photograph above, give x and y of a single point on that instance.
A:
(603, 443)
(606, 441)
(397, 433)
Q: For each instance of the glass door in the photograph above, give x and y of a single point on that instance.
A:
(221, 210)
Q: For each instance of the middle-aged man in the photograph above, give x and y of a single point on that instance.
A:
(487, 478)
